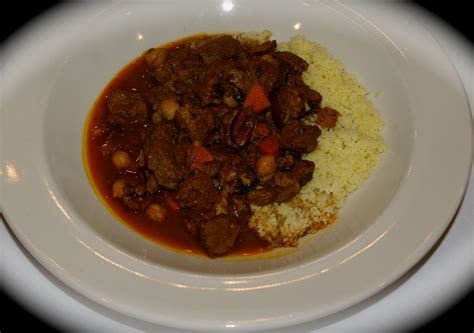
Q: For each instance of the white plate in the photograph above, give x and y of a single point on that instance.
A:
(385, 228)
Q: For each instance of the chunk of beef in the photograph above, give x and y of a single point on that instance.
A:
(299, 137)
(265, 47)
(180, 71)
(264, 73)
(310, 96)
(303, 171)
(238, 78)
(135, 196)
(292, 79)
(286, 160)
(165, 157)
(197, 191)
(185, 81)
(296, 63)
(161, 74)
(287, 186)
(284, 179)
(222, 73)
(288, 102)
(239, 209)
(196, 122)
(126, 107)
(285, 194)
(207, 89)
(157, 94)
(222, 47)
(229, 163)
(182, 58)
(218, 235)
(210, 168)
(194, 217)
(234, 176)
(314, 98)
(262, 196)
(197, 197)
(327, 117)
(151, 184)
(190, 59)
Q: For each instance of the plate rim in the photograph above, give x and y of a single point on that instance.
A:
(25, 240)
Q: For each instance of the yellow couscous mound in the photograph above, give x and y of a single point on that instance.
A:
(344, 158)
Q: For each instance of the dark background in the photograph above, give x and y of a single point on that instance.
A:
(16, 318)
(457, 14)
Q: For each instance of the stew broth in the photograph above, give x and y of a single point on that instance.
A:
(172, 232)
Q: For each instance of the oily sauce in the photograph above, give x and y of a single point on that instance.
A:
(98, 139)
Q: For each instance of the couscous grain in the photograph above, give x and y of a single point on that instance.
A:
(344, 158)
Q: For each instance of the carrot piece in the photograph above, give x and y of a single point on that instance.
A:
(269, 146)
(200, 155)
(257, 99)
(171, 204)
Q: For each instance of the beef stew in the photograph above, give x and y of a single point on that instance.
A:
(189, 135)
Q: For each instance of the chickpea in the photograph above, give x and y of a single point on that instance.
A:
(169, 107)
(230, 101)
(121, 159)
(283, 179)
(221, 207)
(155, 57)
(266, 165)
(156, 212)
(117, 188)
(156, 117)
(245, 179)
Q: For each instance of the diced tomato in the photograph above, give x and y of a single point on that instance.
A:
(257, 99)
(200, 154)
(171, 204)
(262, 129)
(269, 146)
(198, 166)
